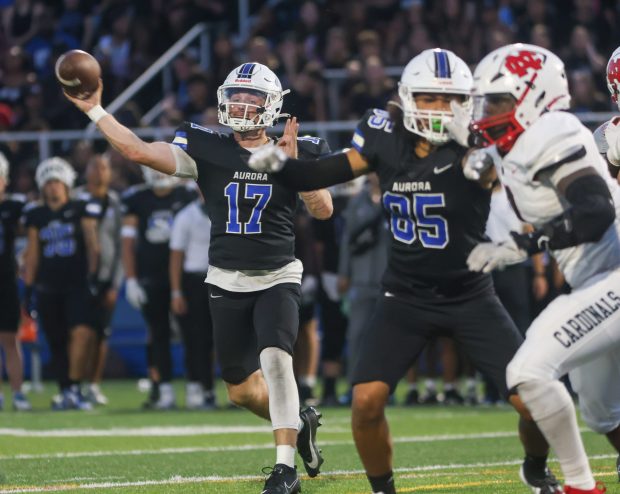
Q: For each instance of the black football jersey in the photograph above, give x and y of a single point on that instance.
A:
(252, 215)
(10, 213)
(155, 217)
(62, 251)
(436, 215)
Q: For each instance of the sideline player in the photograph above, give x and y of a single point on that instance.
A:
(62, 253)
(556, 180)
(254, 278)
(436, 217)
(11, 206)
(109, 271)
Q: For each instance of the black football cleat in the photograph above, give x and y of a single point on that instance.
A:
(282, 480)
(618, 467)
(306, 441)
(540, 483)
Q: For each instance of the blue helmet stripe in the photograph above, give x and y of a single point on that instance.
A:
(246, 70)
(442, 64)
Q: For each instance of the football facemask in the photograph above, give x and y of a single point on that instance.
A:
(434, 71)
(250, 98)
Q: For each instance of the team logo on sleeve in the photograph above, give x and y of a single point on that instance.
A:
(180, 139)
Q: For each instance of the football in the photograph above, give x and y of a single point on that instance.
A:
(78, 72)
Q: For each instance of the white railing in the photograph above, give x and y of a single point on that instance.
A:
(326, 130)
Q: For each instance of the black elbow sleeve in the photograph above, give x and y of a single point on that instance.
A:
(590, 214)
(305, 175)
(592, 209)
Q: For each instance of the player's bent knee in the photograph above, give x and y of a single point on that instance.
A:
(369, 400)
(517, 403)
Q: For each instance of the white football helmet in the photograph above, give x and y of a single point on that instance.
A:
(613, 76)
(532, 75)
(432, 71)
(4, 167)
(258, 80)
(157, 179)
(55, 169)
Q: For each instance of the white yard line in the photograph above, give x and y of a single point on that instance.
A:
(248, 447)
(71, 484)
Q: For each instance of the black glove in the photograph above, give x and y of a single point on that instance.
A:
(29, 304)
(94, 285)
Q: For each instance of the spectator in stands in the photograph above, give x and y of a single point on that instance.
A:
(11, 206)
(109, 272)
(307, 98)
(113, 51)
(21, 21)
(374, 91)
(585, 97)
(224, 57)
(189, 263)
(337, 52)
(149, 211)
(199, 97)
(60, 263)
(540, 35)
(582, 54)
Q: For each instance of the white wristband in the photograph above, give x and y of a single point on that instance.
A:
(96, 113)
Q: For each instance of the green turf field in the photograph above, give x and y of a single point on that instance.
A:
(123, 449)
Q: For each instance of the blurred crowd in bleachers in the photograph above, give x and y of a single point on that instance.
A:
(299, 40)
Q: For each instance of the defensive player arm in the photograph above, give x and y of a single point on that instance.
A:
(31, 258)
(129, 231)
(307, 175)
(590, 213)
(161, 156)
(91, 240)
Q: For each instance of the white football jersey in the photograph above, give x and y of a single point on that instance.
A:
(552, 138)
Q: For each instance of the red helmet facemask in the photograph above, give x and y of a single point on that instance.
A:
(486, 131)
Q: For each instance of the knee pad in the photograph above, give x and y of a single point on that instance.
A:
(277, 367)
(544, 398)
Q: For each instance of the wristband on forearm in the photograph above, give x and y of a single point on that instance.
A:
(96, 113)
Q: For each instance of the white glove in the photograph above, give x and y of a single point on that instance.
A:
(488, 256)
(270, 159)
(458, 125)
(134, 293)
(476, 163)
(612, 136)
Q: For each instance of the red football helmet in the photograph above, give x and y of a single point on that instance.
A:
(613, 76)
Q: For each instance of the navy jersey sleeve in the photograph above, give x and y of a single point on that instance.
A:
(91, 208)
(312, 147)
(367, 137)
(197, 141)
(31, 215)
(129, 201)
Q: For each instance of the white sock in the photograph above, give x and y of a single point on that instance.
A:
(285, 454)
(309, 381)
(552, 408)
(448, 386)
(413, 386)
(430, 385)
(277, 367)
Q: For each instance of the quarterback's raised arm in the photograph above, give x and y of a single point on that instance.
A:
(306, 175)
(160, 156)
